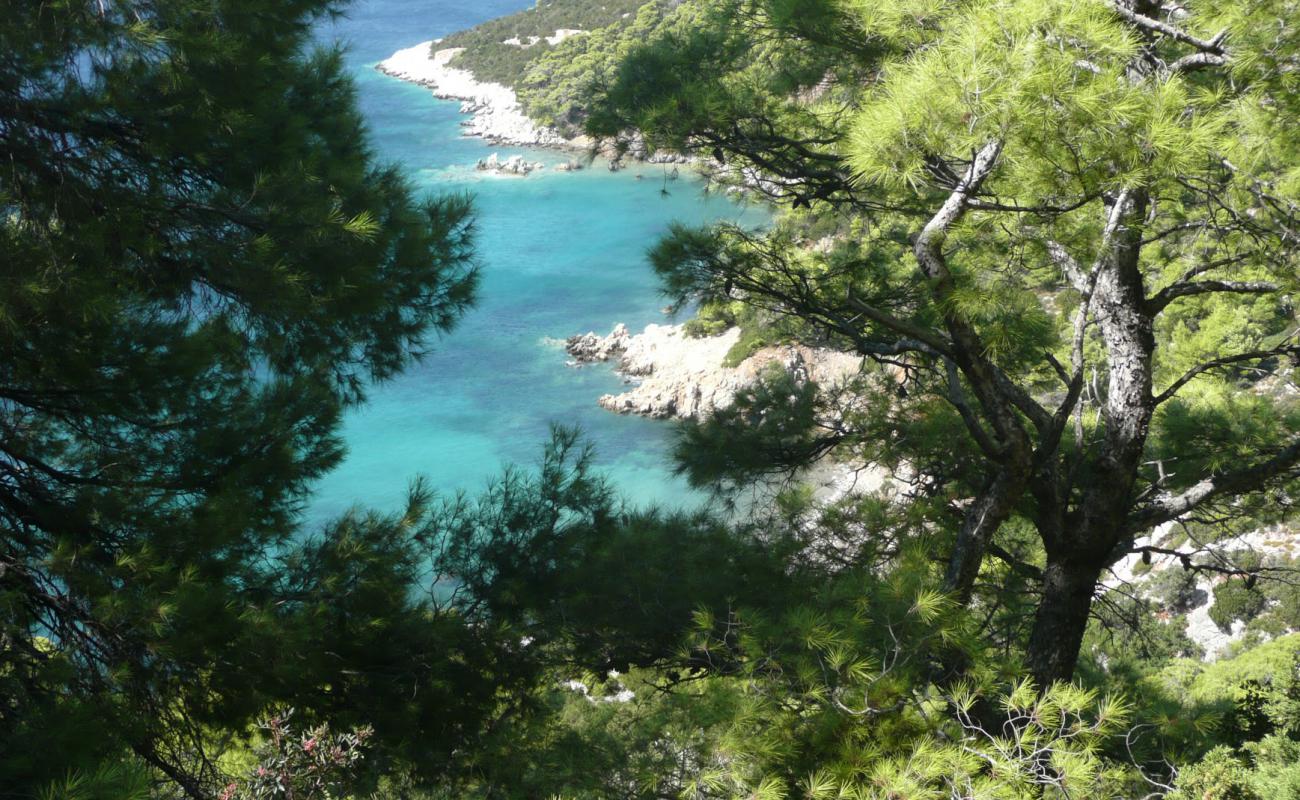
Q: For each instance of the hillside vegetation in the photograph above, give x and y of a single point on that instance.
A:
(553, 81)
(489, 56)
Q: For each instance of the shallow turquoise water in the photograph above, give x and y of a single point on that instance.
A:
(561, 253)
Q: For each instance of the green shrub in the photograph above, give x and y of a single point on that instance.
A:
(713, 319)
(301, 764)
(109, 781)
(1234, 600)
(752, 339)
(1221, 775)
(1276, 775)
(1284, 597)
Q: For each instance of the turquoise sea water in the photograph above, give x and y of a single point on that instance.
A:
(561, 253)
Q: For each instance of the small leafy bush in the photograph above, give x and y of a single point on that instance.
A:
(315, 764)
(1221, 775)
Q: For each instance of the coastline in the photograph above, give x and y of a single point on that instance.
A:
(676, 376)
(495, 113)
(672, 376)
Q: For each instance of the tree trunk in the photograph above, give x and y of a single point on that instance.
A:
(991, 508)
(1068, 590)
(1081, 543)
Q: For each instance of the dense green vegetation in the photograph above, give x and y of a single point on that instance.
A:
(555, 82)
(538, 22)
(490, 58)
(1062, 233)
(964, 212)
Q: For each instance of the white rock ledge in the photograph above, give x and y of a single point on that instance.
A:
(680, 377)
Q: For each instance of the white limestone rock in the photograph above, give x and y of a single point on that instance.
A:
(514, 165)
(677, 376)
(496, 113)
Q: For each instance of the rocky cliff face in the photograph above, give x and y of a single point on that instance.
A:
(678, 376)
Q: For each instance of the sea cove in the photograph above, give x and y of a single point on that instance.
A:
(561, 253)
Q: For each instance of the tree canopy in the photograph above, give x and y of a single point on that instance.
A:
(203, 265)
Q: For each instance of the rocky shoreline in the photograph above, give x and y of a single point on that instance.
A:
(683, 377)
(675, 376)
(1136, 572)
(497, 117)
(495, 114)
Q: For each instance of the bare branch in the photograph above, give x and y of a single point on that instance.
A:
(1207, 266)
(979, 204)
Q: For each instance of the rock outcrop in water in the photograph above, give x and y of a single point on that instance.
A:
(514, 165)
(684, 377)
(589, 348)
(680, 377)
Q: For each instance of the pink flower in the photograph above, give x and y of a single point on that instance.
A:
(309, 745)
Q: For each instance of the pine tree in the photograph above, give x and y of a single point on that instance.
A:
(1068, 229)
(204, 265)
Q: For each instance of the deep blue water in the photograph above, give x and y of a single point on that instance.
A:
(561, 253)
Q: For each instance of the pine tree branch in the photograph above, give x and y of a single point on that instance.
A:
(1214, 45)
(1195, 61)
(994, 390)
(956, 397)
(1286, 463)
(1079, 279)
(1024, 568)
(930, 338)
(978, 204)
(1164, 297)
(1255, 355)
